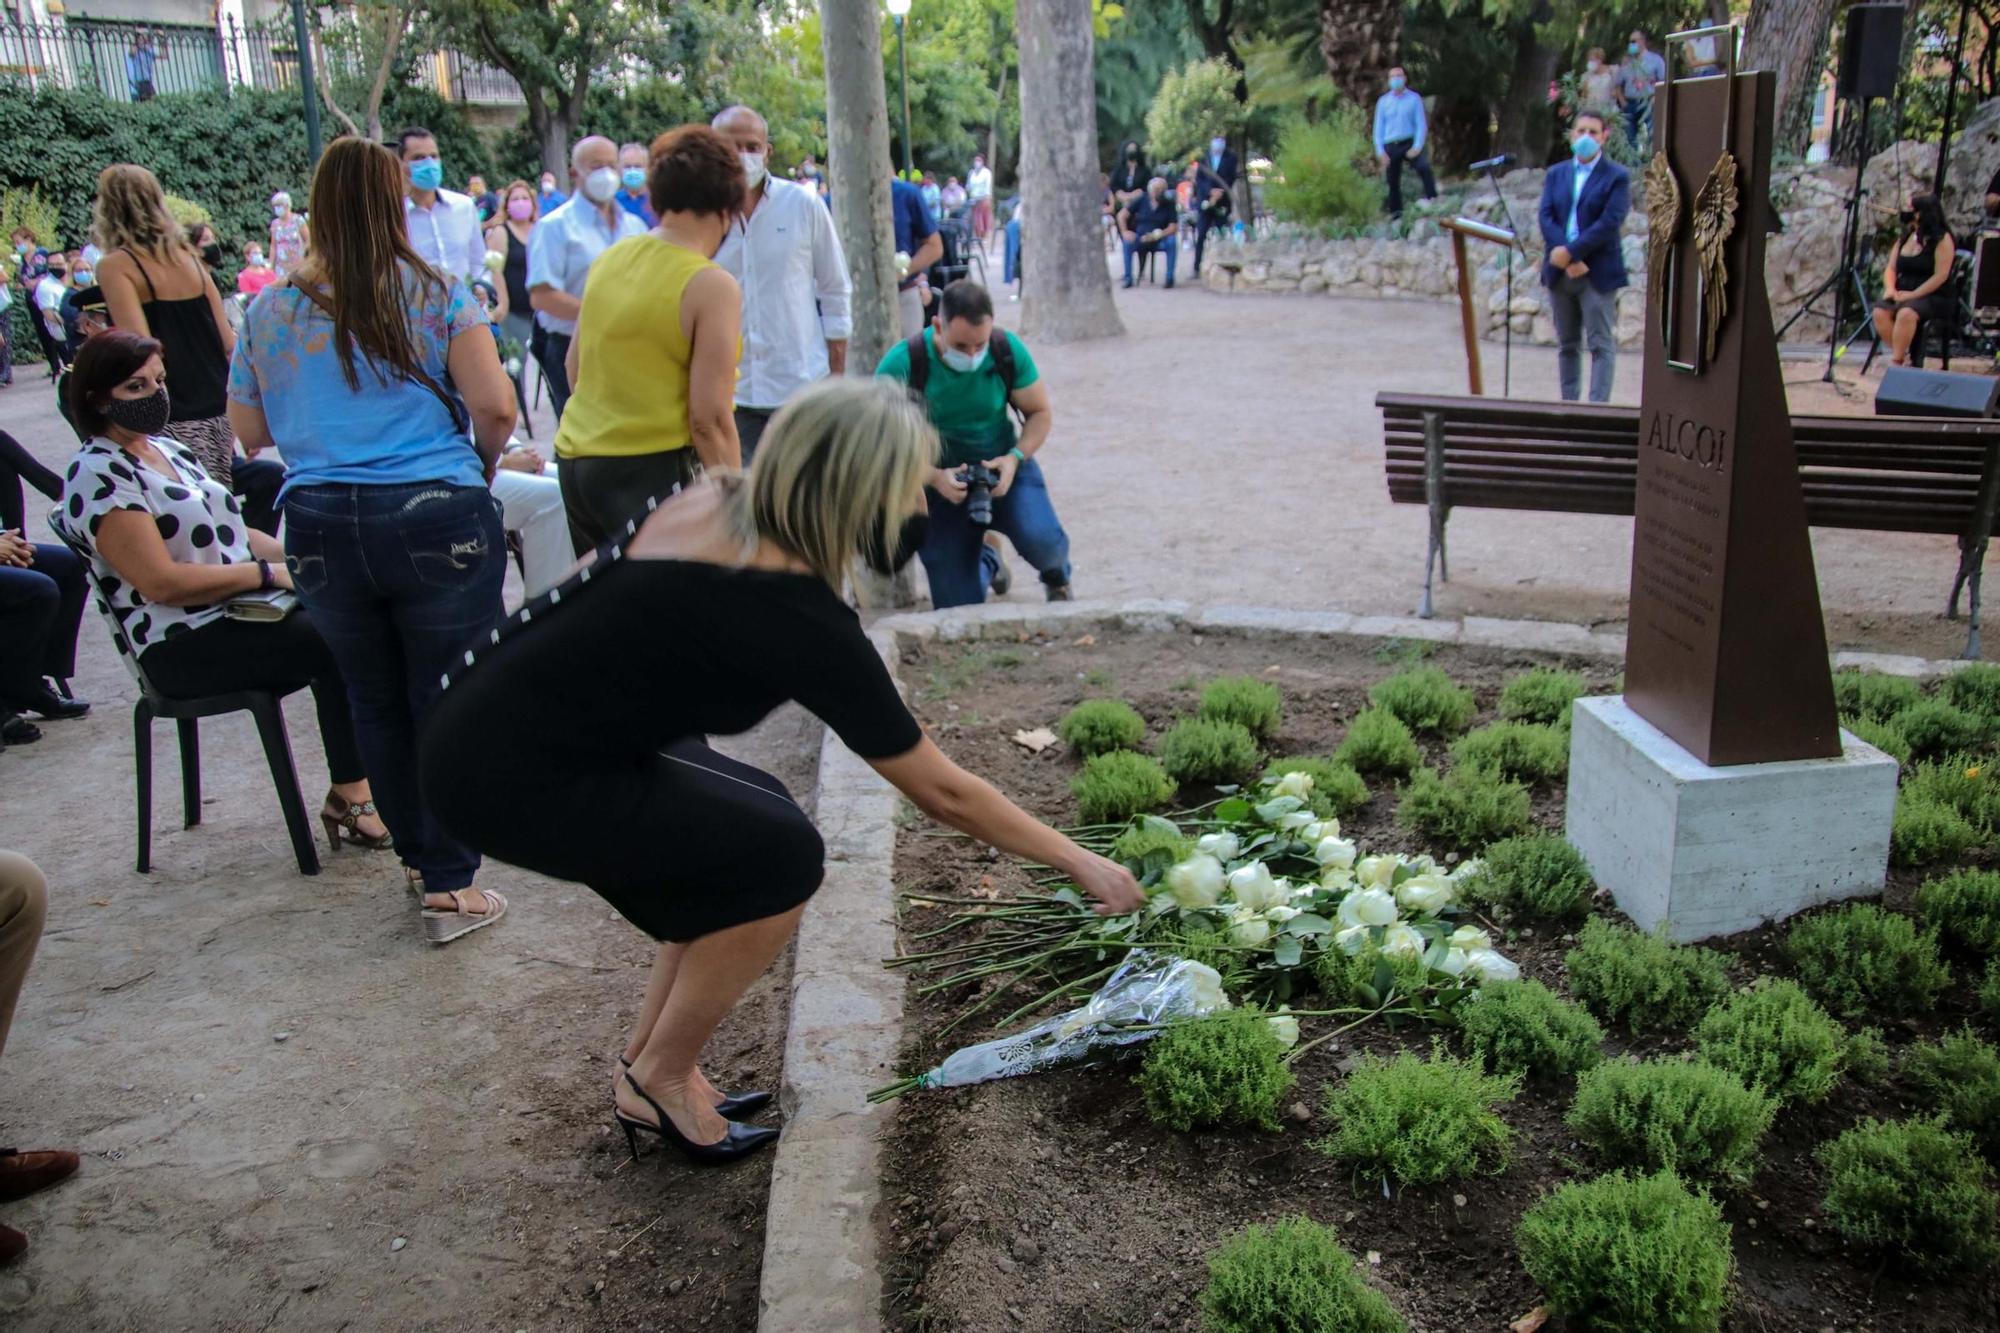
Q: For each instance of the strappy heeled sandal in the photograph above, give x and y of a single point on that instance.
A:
(734, 1105)
(342, 817)
(442, 926)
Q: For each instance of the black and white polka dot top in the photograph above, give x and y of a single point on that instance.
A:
(197, 517)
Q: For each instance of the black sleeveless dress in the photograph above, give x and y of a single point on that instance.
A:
(197, 374)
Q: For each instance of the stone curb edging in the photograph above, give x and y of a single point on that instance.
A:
(820, 1272)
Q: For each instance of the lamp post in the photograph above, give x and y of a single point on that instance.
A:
(899, 9)
(308, 82)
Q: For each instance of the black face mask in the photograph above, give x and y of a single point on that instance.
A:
(145, 416)
(885, 561)
(211, 254)
(1908, 216)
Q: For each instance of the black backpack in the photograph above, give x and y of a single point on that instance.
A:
(920, 362)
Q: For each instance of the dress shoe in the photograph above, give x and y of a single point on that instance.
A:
(53, 706)
(17, 730)
(23, 1173)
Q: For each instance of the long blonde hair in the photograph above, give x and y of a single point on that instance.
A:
(840, 466)
(130, 213)
(361, 251)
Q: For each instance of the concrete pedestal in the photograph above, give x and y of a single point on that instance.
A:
(1712, 851)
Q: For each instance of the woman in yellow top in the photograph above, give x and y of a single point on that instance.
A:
(654, 358)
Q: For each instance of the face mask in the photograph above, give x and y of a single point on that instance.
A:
(1217, 145)
(83, 277)
(1631, 48)
(548, 187)
(426, 173)
(21, 247)
(143, 416)
(1596, 65)
(1131, 155)
(960, 361)
(255, 259)
(883, 560)
(279, 210)
(520, 209)
(1584, 146)
(600, 185)
(634, 178)
(1395, 83)
(59, 273)
(211, 254)
(753, 168)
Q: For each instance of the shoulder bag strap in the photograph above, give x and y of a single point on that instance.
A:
(455, 409)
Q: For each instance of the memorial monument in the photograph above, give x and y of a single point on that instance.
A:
(1719, 792)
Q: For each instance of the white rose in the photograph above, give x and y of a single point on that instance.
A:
(1293, 784)
(1490, 966)
(1376, 871)
(1454, 962)
(1196, 882)
(902, 264)
(1295, 821)
(1471, 939)
(1286, 1029)
(1256, 890)
(1334, 852)
(1399, 941)
(1339, 878)
(494, 261)
(1281, 914)
(1351, 940)
(1221, 846)
(1205, 986)
(1325, 828)
(1249, 930)
(1368, 907)
(1424, 895)
(1466, 869)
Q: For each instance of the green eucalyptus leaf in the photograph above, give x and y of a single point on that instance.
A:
(1233, 811)
(1306, 923)
(1068, 893)
(1287, 950)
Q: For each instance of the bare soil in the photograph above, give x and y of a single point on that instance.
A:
(1050, 1204)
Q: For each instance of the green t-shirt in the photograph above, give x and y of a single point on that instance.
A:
(969, 408)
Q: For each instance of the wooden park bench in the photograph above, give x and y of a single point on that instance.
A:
(1882, 474)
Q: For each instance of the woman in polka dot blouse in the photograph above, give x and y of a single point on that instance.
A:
(169, 547)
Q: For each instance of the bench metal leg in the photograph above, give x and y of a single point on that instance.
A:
(190, 731)
(1972, 634)
(1440, 512)
(142, 770)
(1972, 546)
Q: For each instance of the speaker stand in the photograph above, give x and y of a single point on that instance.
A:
(1849, 276)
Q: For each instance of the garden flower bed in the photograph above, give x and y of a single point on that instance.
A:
(1419, 1137)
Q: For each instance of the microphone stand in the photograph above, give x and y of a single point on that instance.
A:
(1507, 334)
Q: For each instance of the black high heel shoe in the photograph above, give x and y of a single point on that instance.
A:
(734, 1105)
(740, 1141)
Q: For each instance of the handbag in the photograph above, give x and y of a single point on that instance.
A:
(461, 420)
(266, 606)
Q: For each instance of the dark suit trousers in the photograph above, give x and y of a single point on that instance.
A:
(1421, 163)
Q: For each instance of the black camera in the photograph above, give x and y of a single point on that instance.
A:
(979, 483)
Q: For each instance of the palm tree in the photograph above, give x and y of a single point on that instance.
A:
(1359, 40)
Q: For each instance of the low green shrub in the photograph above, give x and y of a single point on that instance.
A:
(1523, 1027)
(1098, 726)
(1631, 1253)
(1875, 697)
(1777, 1041)
(1933, 727)
(1291, 1275)
(1202, 750)
(1153, 837)
(1964, 905)
(1974, 687)
(1541, 695)
(1338, 790)
(1367, 976)
(1466, 808)
(1882, 735)
(1924, 832)
(1226, 1069)
(1253, 704)
(1420, 1121)
(1529, 751)
(1377, 742)
(1426, 700)
(1670, 1114)
(1959, 1075)
(1539, 874)
(1860, 957)
(1914, 1189)
(1323, 172)
(1626, 976)
(1958, 782)
(1113, 787)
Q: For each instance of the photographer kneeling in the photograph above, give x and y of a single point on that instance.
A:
(971, 377)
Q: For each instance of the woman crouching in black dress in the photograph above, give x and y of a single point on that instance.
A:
(719, 606)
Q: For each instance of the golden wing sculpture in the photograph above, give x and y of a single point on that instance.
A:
(1714, 220)
(1663, 224)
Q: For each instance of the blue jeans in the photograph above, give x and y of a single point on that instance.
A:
(958, 562)
(399, 581)
(1169, 247)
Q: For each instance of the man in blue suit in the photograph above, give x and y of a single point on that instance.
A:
(1584, 203)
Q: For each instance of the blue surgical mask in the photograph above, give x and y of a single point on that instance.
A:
(1631, 48)
(961, 362)
(427, 173)
(1584, 146)
(1217, 145)
(1395, 83)
(634, 178)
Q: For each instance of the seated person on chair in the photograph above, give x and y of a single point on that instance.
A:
(1150, 224)
(169, 548)
(1914, 287)
(41, 603)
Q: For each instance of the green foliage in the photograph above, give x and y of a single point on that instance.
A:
(1466, 808)
(1377, 742)
(1529, 751)
(1114, 787)
(1669, 1114)
(1778, 1041)
(1523, 1027)
(1193, 104)
(1975, 687)
(1882, 735)
(1096, 726)
(1540, 874)
(1914, 1189)
(1875, 697)
(1367, 976)
(1860, 957)
(27, 208)
(1319, 175)
(186, 211)
(1426, 700)
(1150, 835)
(1199, 749)
(1640, 980)
(1226, 1069)
(1291, 1275)
(1924, 831)
(1958, 782)
(1420, 1121)
(1637, 1254)
(1989, 991)
(1934, 727)
(1965, 905)
(1542, 695)
(1338, 790)
(1253, 704)
(1959, 1075)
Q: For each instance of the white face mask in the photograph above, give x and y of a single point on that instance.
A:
(753, 168)
(601, 184)
(962, 362)
(279, 210)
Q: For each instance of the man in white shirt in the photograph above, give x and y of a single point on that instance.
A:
(784, 254)
(565, 244)
(979, 190)
(444, 224)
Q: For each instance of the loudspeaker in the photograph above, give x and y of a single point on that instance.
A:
(1870, 52)
(1909, 392)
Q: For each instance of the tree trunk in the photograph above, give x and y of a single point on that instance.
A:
(1791, 37)
(1065, 283)
(1358, 39)
(395, 24)
(858, 165)
(1524, 117)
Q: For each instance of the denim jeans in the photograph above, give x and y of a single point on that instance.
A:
(958, 562)
(40, 609)
(1169, 247)
(399, 580)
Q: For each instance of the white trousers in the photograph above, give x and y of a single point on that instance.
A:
(532, 505)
